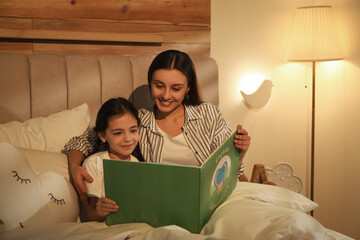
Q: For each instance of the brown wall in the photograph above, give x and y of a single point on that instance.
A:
(104, 26)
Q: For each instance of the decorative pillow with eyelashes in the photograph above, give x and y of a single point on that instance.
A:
(28, 199)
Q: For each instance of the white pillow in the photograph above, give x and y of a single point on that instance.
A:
(275, 195)
(47, 133)
(42, 161)
(244, 218)
(259, 211)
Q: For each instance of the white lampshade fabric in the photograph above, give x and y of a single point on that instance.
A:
(314, 36)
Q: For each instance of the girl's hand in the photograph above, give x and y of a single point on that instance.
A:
(242, 139)
(104, 206)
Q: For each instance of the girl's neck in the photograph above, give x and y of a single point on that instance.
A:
(114, 156)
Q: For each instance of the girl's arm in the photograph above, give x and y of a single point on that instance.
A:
(99, 208)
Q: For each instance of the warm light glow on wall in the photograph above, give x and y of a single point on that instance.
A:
(250, 82)
(332, 67)
(255, 90)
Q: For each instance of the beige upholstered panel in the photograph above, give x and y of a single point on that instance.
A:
(116, 77)
(207, 74)
(47, 68)
(83, 75)
(64, 82)
(14, 88)
(140, 66)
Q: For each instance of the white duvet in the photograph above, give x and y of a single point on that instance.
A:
(253, 211)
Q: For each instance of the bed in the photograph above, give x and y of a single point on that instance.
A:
(45, 99)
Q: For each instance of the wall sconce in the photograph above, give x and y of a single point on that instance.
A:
(260, 96)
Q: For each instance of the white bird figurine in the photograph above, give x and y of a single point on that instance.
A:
(260, 97)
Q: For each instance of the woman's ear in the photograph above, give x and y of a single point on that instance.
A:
(102, 136)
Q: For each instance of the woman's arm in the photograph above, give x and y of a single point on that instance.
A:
(79, 174)
(78, 148)
(99, 208)
(223, 131)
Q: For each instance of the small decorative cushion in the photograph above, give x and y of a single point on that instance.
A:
(28, 199)
(47, 133)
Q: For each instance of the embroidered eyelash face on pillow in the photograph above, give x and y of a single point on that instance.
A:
(28, 199)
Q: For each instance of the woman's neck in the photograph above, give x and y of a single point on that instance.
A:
(171, 123)
(175, 114)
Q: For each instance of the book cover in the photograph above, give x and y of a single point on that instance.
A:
(170, 194)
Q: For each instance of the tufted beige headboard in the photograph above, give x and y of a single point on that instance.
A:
(39, 85)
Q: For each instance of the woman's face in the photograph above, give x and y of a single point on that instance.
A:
(122, 136)
(168, 89)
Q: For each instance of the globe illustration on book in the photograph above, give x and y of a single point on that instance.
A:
(220, 173)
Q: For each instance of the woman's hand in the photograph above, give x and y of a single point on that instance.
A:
(104, 206)
(79, 174)
(242, 140)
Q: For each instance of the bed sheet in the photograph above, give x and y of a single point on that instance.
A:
(139, 231)
(253, 211)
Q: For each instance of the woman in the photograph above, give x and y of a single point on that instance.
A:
(178, 128)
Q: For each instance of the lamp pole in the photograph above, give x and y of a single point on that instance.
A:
(312, 158)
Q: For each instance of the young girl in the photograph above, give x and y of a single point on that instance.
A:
(117, 125)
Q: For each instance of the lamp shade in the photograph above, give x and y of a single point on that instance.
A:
(314, 36)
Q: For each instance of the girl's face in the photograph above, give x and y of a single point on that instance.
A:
(122, 136)
(168, 89)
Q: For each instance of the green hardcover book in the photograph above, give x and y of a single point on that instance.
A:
(170, 194)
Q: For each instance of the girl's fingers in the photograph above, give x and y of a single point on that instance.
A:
(109, 208)
(106, 201)
(105, 204)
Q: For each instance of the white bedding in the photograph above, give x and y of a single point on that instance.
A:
(253, 211)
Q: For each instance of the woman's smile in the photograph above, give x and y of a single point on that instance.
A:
(165, 103)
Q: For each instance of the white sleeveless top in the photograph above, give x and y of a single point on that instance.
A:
(177, 151)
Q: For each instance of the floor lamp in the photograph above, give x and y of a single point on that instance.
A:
(313, 39)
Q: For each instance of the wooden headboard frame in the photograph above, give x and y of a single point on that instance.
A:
(41, 84)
